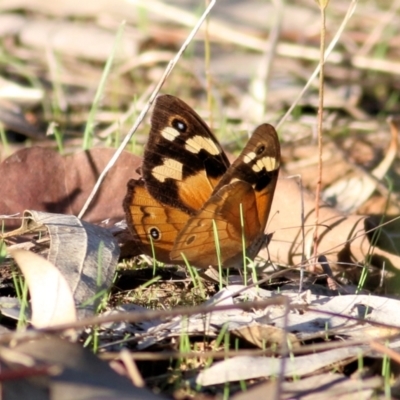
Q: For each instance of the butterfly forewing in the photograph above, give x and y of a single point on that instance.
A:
(183, 160)
(250, 182)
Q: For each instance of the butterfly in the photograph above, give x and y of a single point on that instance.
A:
(189, 196)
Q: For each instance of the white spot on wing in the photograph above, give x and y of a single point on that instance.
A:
(197, 143)
(169, 169)
(269, 163)
(249, 157)
(169, 133)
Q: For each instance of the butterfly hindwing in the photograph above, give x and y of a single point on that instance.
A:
(148, 218)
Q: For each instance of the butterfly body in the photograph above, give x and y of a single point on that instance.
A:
(189, 196)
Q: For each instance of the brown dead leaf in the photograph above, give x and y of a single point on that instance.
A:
(32, 179)
(40, 179)
(82, 171)
(342, 239)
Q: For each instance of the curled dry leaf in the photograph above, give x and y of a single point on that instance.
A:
(85, 255)
(318, 319)
(263, 326)
(343, 239)
(51, 298)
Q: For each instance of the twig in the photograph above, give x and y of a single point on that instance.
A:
(155, 314)
(394, 355)
(131, 368)
(323, 5)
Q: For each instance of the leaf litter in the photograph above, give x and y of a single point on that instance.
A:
(39, 179)
(80, 264)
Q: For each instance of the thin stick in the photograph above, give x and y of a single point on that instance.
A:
(131, 368)
(394, 355)
(146, 108)
(154, 314)
(323, 5)
(305, 349)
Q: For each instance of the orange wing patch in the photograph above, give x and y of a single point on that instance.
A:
(197, 241)
(149, 218)
(195, 190)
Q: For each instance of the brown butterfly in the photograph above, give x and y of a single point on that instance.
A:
(189, 197)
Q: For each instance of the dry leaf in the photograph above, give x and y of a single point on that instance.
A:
(62, 184)
(342, 239)
(86, 255)
(245, 367)
(51, 298)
